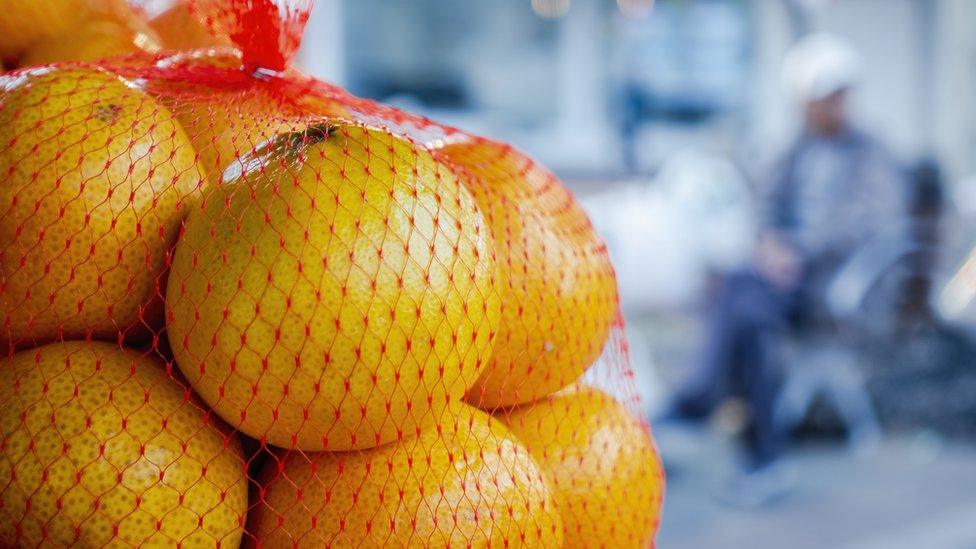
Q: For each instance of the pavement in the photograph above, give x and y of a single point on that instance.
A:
(913, 492)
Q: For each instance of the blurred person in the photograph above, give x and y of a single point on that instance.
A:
(833, 190)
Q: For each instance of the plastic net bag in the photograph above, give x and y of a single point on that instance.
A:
(243, 307)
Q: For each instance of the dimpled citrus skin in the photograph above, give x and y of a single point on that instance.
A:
(228, 123)
(335, 297)
(463, 483)
(600, 464)
(225, 123)
(100, 448)
(98, 176)
(227, 127)
(557, 287)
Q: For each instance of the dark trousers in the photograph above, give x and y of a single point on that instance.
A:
(747, 318)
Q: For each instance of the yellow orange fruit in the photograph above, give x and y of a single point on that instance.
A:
(228, 121)
(99, 447)
(600, 464)
(27, 22)
(96, 38)
(227, 127)
(98, 176)
(24, 22)
(181, 30)
(465, 483)
(557, 287)
(337, 295)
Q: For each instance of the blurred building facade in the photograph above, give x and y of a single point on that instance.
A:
(573, 81)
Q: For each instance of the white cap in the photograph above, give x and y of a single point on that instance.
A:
(820, 65)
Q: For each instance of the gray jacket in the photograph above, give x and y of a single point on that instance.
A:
(831, 195)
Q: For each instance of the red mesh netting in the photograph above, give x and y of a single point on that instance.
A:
(241, 306)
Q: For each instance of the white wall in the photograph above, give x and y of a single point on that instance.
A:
(954, 97)
(323, 46)
(918, 92)
(772, 113)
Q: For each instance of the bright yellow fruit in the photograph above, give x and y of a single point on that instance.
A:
(600, 464)
(228, 121)
(228, 126)
(558, 290)
(465, 483)
(181, 30)
(95, 39)
(100, 448)
(338, 295)
(98, 177)
(27, 22)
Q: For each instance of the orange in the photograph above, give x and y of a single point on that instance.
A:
(98, 177)
(25, 22)
(335, 296)
(99, 447)
(181, 30)
(28, 22)
(465, 483)
(227, 127)
(228, 122)
(557, 287)
(600, 464)
(95, 38)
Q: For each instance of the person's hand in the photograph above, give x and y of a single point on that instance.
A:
(777, 260)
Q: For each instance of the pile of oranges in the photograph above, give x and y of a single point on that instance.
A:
(241, 314)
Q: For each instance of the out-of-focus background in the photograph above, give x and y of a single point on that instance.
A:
(724, 148)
